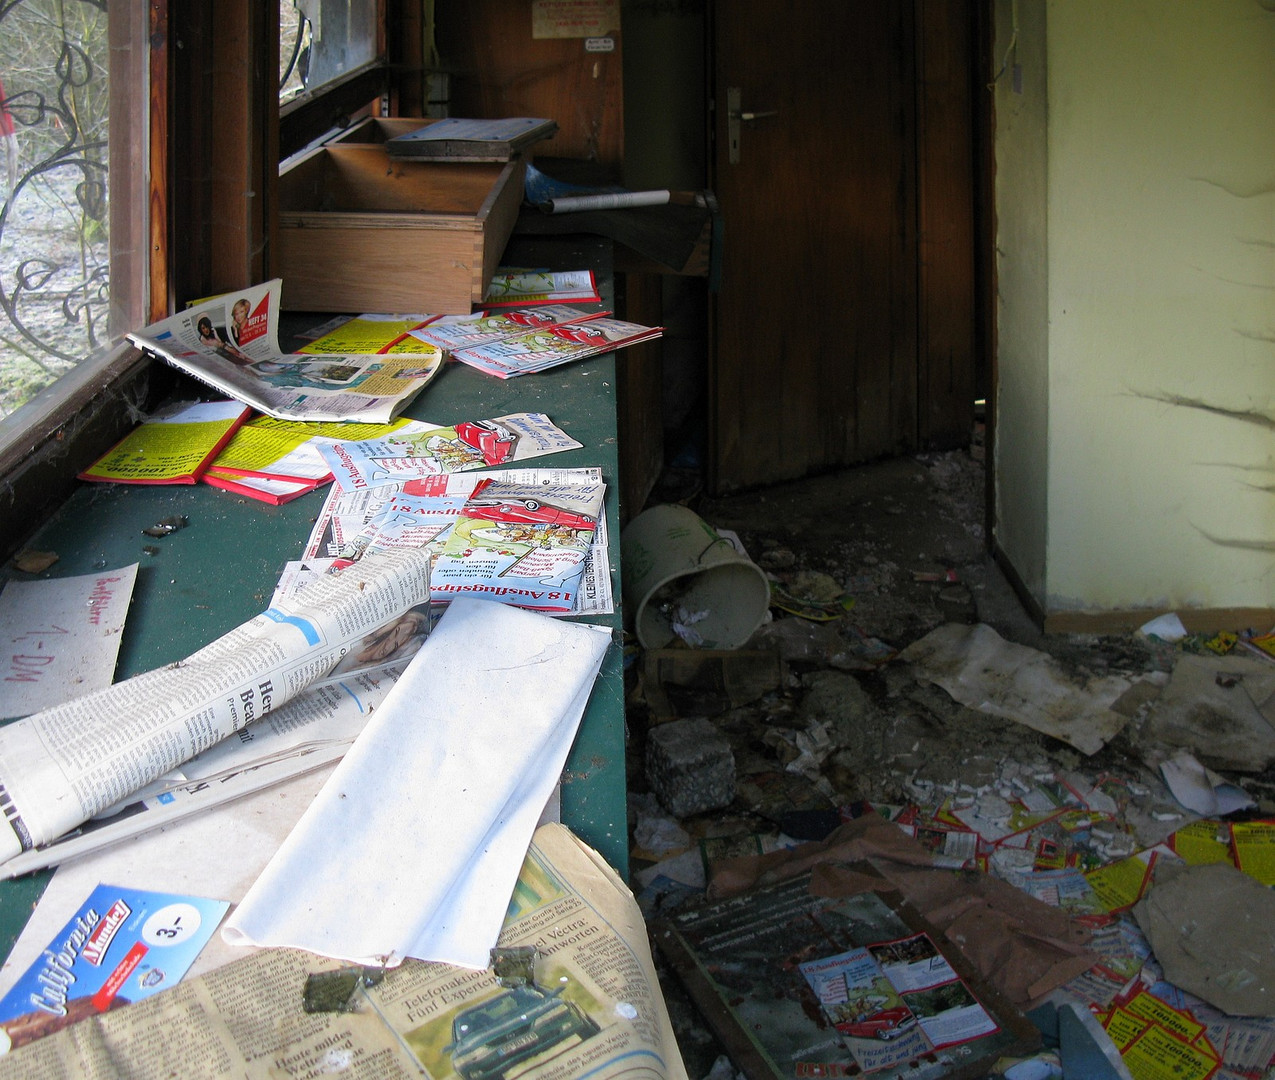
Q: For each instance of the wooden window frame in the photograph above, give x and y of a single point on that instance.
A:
(195, 109)
(44, 443)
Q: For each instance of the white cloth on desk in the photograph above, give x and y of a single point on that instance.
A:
(413, 846)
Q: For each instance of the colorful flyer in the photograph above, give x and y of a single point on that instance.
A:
(420, 450)
(510, 288)
(522, 544)
(121, 946)
(1120, 885)
(896, 1000)
(1202, 842)
(1254, 845)
(175, 446)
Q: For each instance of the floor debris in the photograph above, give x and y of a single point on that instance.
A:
(984, 671)
(1071, 793)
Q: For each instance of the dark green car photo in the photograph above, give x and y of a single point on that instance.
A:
(490, 1039)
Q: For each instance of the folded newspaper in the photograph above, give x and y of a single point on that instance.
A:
(61, 766)
(581, 998)
(305, 733)
(231, 342)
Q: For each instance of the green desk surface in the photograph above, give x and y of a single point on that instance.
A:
(221, 569)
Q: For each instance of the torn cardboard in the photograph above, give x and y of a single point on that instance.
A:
(1021, 946)
(1212, 928)
(1211, 707)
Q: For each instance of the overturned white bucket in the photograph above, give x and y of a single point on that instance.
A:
(681, 579)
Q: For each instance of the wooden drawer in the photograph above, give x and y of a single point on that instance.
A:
(361, 232)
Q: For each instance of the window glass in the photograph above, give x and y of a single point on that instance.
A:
(54, 238)
(322, 40)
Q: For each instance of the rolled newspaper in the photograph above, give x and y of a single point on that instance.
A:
(61, 766)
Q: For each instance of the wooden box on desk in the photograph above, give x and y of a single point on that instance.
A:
(361, 232)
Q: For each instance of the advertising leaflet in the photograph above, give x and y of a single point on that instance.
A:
(421, 513)
(588, 1003)
(896, 1000)
(121, 946)
(61, 766)
(524, 340)
(802, 984)
(277, 460)
(231, 343)
(268, 489)
(481, 329)
(551, 346)
(175, 446)
(513, 288)
(375, 334)
(522, 544)
(418, 450)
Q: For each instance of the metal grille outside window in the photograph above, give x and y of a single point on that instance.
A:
(54, 241)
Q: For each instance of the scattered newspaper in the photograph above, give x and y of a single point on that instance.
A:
(421, 513)
(60, 767)
(231, 342)
(314, 729)
(590, 1006)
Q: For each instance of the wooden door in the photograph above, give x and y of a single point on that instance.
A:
(824, 185)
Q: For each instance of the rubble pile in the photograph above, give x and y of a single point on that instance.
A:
(1124, 781)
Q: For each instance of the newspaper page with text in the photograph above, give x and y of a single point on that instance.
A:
(592, 1005)
(61, 766)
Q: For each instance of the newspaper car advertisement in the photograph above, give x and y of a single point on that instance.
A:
(586, 1001)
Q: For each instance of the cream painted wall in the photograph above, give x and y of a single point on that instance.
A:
(1022, 391)
(1160, 292)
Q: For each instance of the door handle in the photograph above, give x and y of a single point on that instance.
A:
(735, 116)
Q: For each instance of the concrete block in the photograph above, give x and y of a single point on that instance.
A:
(690, 767)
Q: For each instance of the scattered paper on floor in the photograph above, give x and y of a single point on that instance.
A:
(982, 670)
(594, 1009)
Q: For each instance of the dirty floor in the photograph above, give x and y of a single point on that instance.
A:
(891, 551)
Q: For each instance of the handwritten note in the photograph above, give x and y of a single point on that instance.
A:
(59, 637)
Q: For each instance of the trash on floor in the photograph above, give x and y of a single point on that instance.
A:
(1031, 795)
(984, 671)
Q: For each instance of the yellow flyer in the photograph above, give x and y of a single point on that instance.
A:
(1266, 643)
(1157, 1054)
(1254, 843)
(1202, 842)
(377, 335)
(175, 446)
(1120, 885)
(1149, 1008)
(1123, 1027)
(264, 446)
